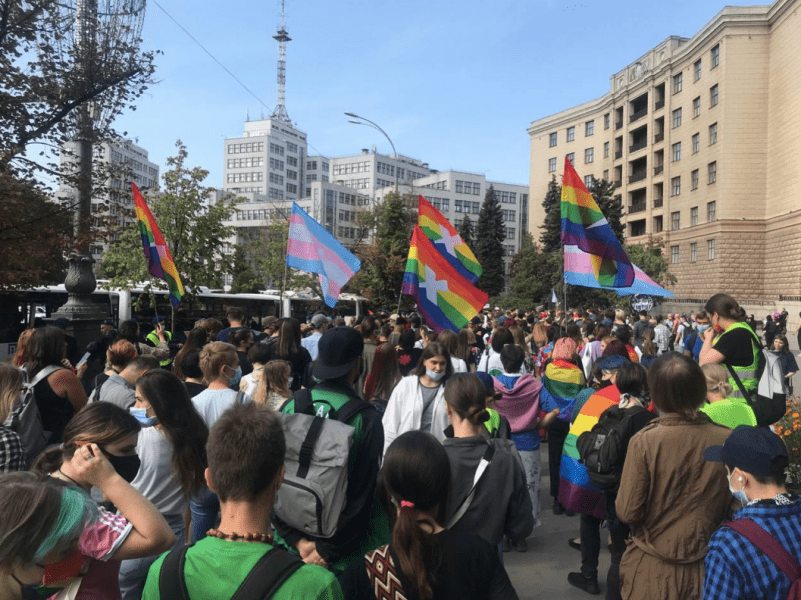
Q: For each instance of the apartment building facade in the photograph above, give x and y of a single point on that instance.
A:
(702, 136)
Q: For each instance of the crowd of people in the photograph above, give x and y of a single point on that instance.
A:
(380, 459)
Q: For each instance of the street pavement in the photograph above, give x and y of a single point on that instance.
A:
(542, 572)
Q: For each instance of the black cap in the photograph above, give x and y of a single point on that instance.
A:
(338, 351)
(755, 450)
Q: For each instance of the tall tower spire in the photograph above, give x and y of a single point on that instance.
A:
(282, 37)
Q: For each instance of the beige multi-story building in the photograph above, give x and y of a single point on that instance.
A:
(703, 138)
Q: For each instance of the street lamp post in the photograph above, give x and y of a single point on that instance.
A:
(369, 123)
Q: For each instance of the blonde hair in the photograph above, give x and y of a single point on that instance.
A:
(11, 379)
(716, 379)
(215, 356)
(620, 315)
(274, 379)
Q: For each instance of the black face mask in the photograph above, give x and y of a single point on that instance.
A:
(604, 383)
(126, 466)
(29, 592)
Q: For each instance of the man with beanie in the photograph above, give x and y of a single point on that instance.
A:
(742, 558)
(361, 526)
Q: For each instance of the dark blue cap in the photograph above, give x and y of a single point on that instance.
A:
(755, 450)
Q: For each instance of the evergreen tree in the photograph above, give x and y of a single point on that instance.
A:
(467, 234)
(244, 279)
(490, 236)
(551, 236)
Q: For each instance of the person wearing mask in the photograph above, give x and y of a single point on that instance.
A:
(220, 365)
(732, 343)
(499, 506)
(741, 562)
(723, 408)
(172, 451)
(59, 393)
(671, 497)
(119, 389)
(424, 559)
(417, 400)
(694, 342)
(246, 450)
(243, 341)
(99, 450)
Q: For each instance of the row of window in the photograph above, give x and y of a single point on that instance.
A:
(245, 190)
(362, 183)
(675, 252)
(353, 199)
(246, 147)
(277, 179)
(260, 214)
(711, 216)
(347, 215)
(509, 215)
(438, 185)
(276, 149)
(277, 164)
(246, 163)
(506, 197)
(712, 177)
(246, 177)
(468, 187)
(441, 204)
(311, 165)
(355, 167)
(714, 61)
(351, 232)
(466, 206)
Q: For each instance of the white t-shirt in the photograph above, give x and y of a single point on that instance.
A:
(213, 403)
(459, 366)
(156, 479)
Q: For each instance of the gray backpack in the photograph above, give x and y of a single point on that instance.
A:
(317, 456)
(24, 418)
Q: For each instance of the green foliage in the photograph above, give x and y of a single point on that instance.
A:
(551, 236)
(466, 232)
(603, 192)
(243, 278)
(192, 225)
(384, 261)
(529, 277)
(266, 247)
(490, 236)
(34, 235)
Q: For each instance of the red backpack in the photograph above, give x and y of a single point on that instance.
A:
(773, 549)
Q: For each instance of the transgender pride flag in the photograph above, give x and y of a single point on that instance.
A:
(312, 248)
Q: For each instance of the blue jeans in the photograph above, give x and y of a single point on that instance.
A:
(205, 507)
(133, 573)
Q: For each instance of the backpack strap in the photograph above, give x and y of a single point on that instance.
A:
(307, 448)
(303, 402)
(171, 577)
(772, 547)
(269, 574)
(240, 398)
(46, 372)
(485, 462)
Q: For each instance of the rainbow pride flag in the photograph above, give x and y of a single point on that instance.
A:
(576, 492)
(579, 271)
(445, 298)
(157, 254)
(446, 239)
(561, 383)
(585, 226)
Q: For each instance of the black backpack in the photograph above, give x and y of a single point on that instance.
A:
(603, 448)
(266, 577)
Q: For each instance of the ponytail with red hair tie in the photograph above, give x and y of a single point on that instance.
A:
(406, 504)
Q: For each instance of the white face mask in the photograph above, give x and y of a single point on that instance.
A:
(435, 376)
(738, 494)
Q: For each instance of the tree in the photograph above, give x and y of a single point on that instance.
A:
(192, 225)
(34, 235)
(384, 261)
(243, 278)
(267, 248)
(603, 192)
(527, 284)
(490, 236)
(551, 236)
(466, 232)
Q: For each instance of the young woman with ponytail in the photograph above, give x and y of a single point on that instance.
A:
(423, 560)
(172, 450)
(721, 407)
(501, 504)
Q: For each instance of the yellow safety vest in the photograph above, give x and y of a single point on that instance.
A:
(749, 374)
(152, 337)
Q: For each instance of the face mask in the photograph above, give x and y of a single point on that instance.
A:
(289, 381)
(703, 328)
(29, 592)
(738, 494)
(234, 381)
(126, 466)
(435, 376)
(604, 383)
(141, 416)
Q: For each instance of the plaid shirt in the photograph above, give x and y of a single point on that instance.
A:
(735, 568)
(12, 456)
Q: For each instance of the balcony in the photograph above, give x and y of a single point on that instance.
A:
(659, 137)
(658, 169)
(618, 125)
(618, 154)
(638, 145)
(659, 104)
(658, 202)
(638, 114)
(638, 176)
(618, 183)
(637, 207)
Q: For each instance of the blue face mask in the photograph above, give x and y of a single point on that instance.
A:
(141, 416)
(738, 494)
(703, 328)
(434, 376)
(234, 381)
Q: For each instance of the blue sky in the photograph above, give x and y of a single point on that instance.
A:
(453, 84)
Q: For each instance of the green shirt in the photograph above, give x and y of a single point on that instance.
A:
(215, 569)
(730, 412)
